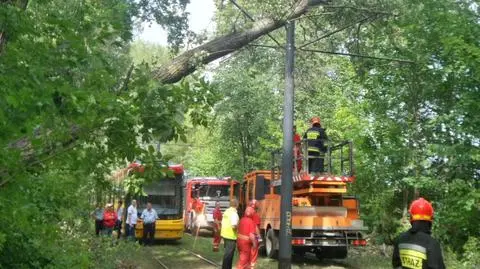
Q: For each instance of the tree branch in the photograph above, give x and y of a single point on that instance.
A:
(187, 62)
(252, 19)
(360, 56)
(127, 79)
(334, 32)
(361, 9)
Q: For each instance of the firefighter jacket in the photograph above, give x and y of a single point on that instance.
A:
(416, 249)
(316, 138)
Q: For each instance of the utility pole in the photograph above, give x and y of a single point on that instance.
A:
(285, 251)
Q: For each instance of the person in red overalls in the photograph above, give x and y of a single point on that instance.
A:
(297, 148)
(217, 218)
(109, 219)
(197, 204)
(256, 219)
(246, 239)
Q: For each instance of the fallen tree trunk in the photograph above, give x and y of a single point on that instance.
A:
(187, 62)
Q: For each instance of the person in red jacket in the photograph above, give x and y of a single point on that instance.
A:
(256, 219)
(109, 219)
(297, 149)
(246, 239)
(217, 218)
(197, 204)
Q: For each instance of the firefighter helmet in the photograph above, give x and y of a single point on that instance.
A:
(421, 209)
(249, 211)
(253, 204)
(315, 120)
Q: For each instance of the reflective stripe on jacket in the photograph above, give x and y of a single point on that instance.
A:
(417, 250)
(316, 138)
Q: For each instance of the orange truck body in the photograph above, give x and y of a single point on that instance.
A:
(324, 219)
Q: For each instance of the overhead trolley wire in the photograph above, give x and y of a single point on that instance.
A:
(252, 19)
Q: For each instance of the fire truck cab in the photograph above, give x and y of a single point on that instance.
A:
(325, 220)
(201, 194)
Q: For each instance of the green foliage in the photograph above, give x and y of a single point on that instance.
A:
(75, 106)
(423, 132)
(152, 54)
(458, 209)
(413, 125)
(471, 255)
(169, 14)
(246, 122)
(72, 111)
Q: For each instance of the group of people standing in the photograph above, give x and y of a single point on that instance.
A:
(243, 234)
(109, 221)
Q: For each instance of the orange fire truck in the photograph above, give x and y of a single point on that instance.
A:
(201, 194)
(325, 220)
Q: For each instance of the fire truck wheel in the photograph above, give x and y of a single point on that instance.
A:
(271, 244)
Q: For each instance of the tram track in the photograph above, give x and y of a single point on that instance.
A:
(202, 258)
(203, 262)
(184, 255)
(159, 262)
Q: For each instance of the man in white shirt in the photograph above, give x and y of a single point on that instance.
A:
(131, 219)
(149, 217)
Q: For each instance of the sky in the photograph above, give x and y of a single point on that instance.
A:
(200, 18)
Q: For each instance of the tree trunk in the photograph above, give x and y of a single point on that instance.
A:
(187, 62)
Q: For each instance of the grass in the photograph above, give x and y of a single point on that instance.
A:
(173, 256)
(133, 256)
(358, 259)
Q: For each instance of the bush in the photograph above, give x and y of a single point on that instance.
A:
(471, 256)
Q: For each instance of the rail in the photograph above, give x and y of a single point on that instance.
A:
(160, 262)
(200, 257)
(337, 159)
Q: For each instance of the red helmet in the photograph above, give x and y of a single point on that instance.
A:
(315, 120)
(421, 209)
(249, 211)
(253, 203)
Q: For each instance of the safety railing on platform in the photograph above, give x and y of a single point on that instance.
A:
(337, 160)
